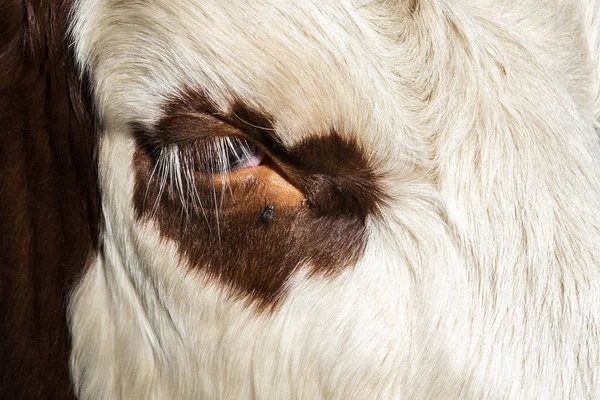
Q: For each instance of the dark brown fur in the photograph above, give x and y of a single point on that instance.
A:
(49, 203)
(326, 231)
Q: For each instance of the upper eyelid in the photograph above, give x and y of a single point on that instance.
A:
(190, 126)
(185, 127)
(189, 115)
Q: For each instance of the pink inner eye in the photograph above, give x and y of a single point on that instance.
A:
(243, 155)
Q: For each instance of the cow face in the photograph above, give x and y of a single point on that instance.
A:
(267, 200)
(339, 199)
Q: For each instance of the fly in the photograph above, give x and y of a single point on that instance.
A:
(268, 214)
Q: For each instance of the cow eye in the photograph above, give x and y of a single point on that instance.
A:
(241, 154)
(224, 154)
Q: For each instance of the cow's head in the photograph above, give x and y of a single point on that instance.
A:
(264, 186)
(265, 199)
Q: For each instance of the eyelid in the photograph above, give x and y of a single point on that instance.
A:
(191, 126)
(206, 142)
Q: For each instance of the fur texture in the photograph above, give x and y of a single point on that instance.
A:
(49, 199)
(480, 274)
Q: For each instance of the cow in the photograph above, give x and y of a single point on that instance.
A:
(350, 199)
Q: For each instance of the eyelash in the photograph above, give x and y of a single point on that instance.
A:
(180, 167)
(221, 155)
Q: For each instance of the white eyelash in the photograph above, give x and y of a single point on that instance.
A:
(176, 167)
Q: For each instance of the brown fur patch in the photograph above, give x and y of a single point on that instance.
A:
(320, 222)
(49, 203)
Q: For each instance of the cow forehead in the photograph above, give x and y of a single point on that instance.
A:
(309, 64)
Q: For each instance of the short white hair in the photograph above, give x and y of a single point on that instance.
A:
(480, 275)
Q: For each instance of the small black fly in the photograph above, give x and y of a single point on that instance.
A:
(268, 214)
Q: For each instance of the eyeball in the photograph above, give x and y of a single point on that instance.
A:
(222, 155)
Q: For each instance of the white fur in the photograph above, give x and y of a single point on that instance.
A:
(480, 280)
